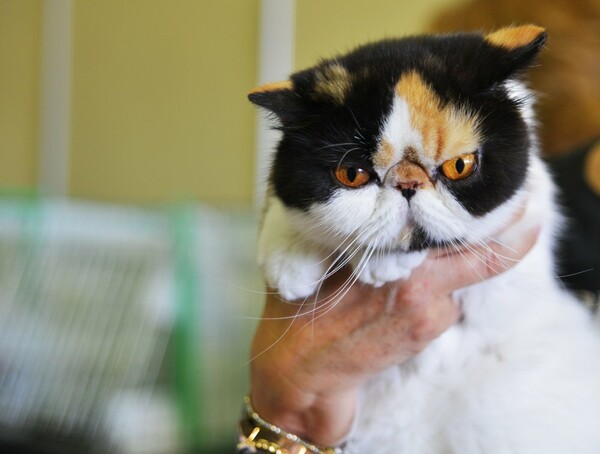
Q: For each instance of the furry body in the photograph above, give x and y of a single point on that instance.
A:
(361, 177)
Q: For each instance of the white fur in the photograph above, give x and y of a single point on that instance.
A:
(291, 264)
(519, 374)
(382, 268)
(399, 132)
(518, 91)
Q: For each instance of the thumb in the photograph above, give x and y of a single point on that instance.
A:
(460, 268)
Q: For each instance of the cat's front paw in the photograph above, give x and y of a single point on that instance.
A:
(291, 265)
(382, 268)
(294, 273)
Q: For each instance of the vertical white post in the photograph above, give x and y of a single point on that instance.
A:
(276, 62)
(54, 141)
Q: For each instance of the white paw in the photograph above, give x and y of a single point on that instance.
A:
(292, 266)
(382, 268)
(294, 273)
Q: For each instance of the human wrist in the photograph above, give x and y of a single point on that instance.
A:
(323, 419)
(259, 435)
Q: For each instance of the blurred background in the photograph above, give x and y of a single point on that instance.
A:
(132, 171)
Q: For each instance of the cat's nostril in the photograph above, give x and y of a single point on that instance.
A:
(408, 188)
(402, 185)
(408, 193)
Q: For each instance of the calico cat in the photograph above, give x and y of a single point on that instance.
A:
(405, 145)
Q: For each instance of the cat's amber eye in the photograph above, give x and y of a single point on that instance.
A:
(352, 176)
(460, 167)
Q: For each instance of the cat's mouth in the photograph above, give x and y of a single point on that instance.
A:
(420, 240)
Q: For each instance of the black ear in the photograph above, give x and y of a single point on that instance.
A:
(518, 45)
(278, 98)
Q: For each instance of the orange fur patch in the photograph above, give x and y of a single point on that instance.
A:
(592, 169)
(273, 86)
(333, 82)
(409, 172)
(447, 132)
(384, 156)
(514, 37)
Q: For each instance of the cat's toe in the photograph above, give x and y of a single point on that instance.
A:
(294, 277)
(388, 268)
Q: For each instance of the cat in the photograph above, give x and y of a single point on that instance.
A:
(405, 145)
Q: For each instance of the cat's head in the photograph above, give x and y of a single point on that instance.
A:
(407, 143)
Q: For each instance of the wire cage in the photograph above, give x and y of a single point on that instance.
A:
(110, 340)
(85, 314)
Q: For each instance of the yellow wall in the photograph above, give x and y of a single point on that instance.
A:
(19, 95)
(159, 109)
(325, 28)
(159, 99)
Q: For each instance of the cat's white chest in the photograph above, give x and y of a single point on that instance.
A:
(531, 387)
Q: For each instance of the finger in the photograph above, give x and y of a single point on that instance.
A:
(445, 313)
(469, 266)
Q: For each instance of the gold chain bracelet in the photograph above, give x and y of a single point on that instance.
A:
(260, 435)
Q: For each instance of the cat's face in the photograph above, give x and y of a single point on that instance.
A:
(406, 144)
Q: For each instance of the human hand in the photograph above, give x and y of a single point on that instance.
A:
(310, 358)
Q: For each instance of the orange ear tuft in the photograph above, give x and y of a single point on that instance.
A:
(273, 86)
(515, 37)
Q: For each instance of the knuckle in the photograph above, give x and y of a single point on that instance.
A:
(410, 296)
(424, 330)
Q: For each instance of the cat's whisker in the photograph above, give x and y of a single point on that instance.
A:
(287, 330)
(557, 276)
(334, 295)
(333, 145)
(333, 300)
(577, 273)
(214, 277)
(320, 227)
(504, 263)
(499, 243)
(347, 260)
(341, 160)
(496, 254)
(338, 265)
(332, 270)
(454, 252)
(316, 304)
(465, 246)
(358, 126)
(478, 247)
(336, 252)
(339, 294)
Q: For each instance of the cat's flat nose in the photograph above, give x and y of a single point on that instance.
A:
(408, 177)
(408, 188)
